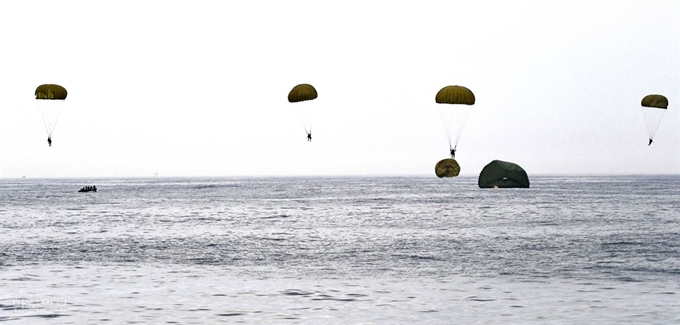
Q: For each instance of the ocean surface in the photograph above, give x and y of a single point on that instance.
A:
(340, 250)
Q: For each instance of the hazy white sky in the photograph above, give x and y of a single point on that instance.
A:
(198, 88)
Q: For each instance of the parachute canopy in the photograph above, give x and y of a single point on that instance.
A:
(658, 101)
(455, 95)
(502, 174)
(301, 93)
(51, 92)
(447, 168)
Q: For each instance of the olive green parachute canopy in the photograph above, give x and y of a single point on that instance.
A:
(658, 101)
(455, 95)
(302, 92)
(447, 168)
(50, 91)
(503, 174)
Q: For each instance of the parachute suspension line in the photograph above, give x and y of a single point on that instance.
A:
(447, 120)
(462, 113)
(44, 121)
(61, 105)
(310, 126)
(305, 113)
(653, 117)
(454, 118)
(50, 110)
(308, 130)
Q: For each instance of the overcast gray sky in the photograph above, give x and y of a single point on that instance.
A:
(198, 88)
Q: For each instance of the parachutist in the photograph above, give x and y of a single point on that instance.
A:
(309, 136)
(49, 141)
(453, 153)
(650, 142)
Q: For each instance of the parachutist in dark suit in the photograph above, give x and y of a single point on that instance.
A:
(49, 141)
(453, 153)
(309, 136)
(650, 142)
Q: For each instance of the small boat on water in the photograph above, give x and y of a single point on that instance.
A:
(88, 189)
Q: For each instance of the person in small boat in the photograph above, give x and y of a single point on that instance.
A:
(94, 188)
(49, 141)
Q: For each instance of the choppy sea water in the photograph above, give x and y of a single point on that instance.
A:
(345, 250)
